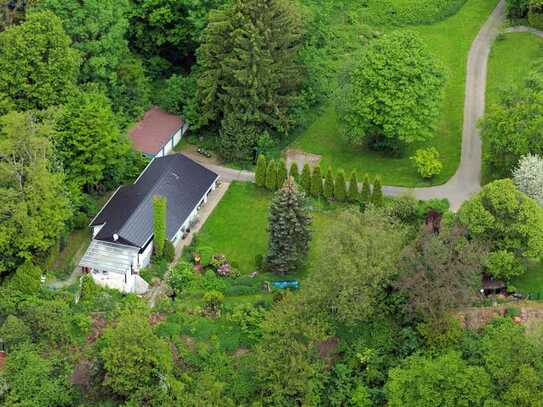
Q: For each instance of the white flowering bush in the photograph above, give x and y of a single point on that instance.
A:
(528, 177)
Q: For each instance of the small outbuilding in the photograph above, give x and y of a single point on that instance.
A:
(122, 232)
(157, 133)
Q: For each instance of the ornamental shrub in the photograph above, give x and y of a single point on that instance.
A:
(316, 182)
(377, 193)
(169, 251)
(294, 171)
(340, 189)
(159, 224)
(528, 177)
(261, 168)
(305, 180)
(213, 301)
(354, 195)
(365, 195)
(281, 173)
(329, 185)
(271, 176)
(427, 162)
(26, 278)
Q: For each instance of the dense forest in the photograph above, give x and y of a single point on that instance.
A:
(390, 310)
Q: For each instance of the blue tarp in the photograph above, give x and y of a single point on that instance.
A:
(286, 284)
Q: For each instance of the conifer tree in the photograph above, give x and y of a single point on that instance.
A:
(261, 167)
(294, 171)
(281, 173)
(354, 195)
(377, 193)
(288, 228)
(249, 71)
(306, 178)
(159, 224)
(316, 182)
(328, 191)
(271, 176)
(340, 189)
(365, 195)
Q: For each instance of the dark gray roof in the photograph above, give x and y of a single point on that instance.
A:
(129, 213)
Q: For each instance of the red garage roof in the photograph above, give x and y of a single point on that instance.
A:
(155, 129)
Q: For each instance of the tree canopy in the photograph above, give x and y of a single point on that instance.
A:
(392, 96)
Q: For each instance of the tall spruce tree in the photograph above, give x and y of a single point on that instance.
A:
(365, 195)
(377, 193)
(294, 172)
(288, 228)
(316, 182)
(340, 189)
(159, 224)
(281, 173)
(271, 176)
(261, 167)
(306, 178)
(329, 185)
(354, 195)
(249, 71)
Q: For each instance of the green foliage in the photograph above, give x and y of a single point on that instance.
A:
(446, 380)
(181, 277)
(340, 188)
(254, 45)
(166, 32)
(249, 319)
(14, 332)
(328, 191)
(175, 94)
(89, 289)
(281, 173)
(377, 193)
(38, 68)
(517, 8)
(365, 194)
(288, 225)
(213, 301)
(305, 179)
(316, 182)
(135, 360)
(261, 167)
(36, 381)
(34, 207)
(169, 251)
(271, 176)
(405, 208)
(89, 143)
(503, 265)
(535, 14)
(294, 172)
(427, 162)
(353, 193)
(396, 67)
(508, 221)
(26, 278)
(160, 208)
(510, 127)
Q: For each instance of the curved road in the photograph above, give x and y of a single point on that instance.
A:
(467, 179)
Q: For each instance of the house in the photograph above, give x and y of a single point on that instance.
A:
(122, 232)
(157, 133)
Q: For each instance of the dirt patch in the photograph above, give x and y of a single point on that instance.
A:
(82, 375)
(190, 151)
(301, 157)
(328, 350)
(98, 325)
(3, 357)
(529, 314)
(240, 352)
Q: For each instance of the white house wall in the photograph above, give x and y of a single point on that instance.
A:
(145, 256)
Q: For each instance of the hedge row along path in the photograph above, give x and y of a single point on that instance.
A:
(467, 179)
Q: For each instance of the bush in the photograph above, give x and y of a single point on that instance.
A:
(535, 17)
(294, 171)
(503, 265)
(210, 281)
(261, 167)
(182, 277)
(213, 301)
(316, 182)
(169, 251)
(281, 173)
(271, 176)
(328, 191)
(249, 319)
(238, 290)
(26, 278)
(305, 179)
(89, 289)
(404, 208)
(340, 188)
(427, 162)
(512, 312)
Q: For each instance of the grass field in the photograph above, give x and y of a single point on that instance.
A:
(531, 281)
(511, 60)
(449, 41)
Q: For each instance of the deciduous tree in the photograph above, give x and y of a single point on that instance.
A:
(392, 97)
(528, 177)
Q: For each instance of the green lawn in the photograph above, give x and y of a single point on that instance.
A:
(450, 41)
(511, 60)
(238, 226)
(531, 281)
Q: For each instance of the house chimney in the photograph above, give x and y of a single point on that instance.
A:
(115, 237)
